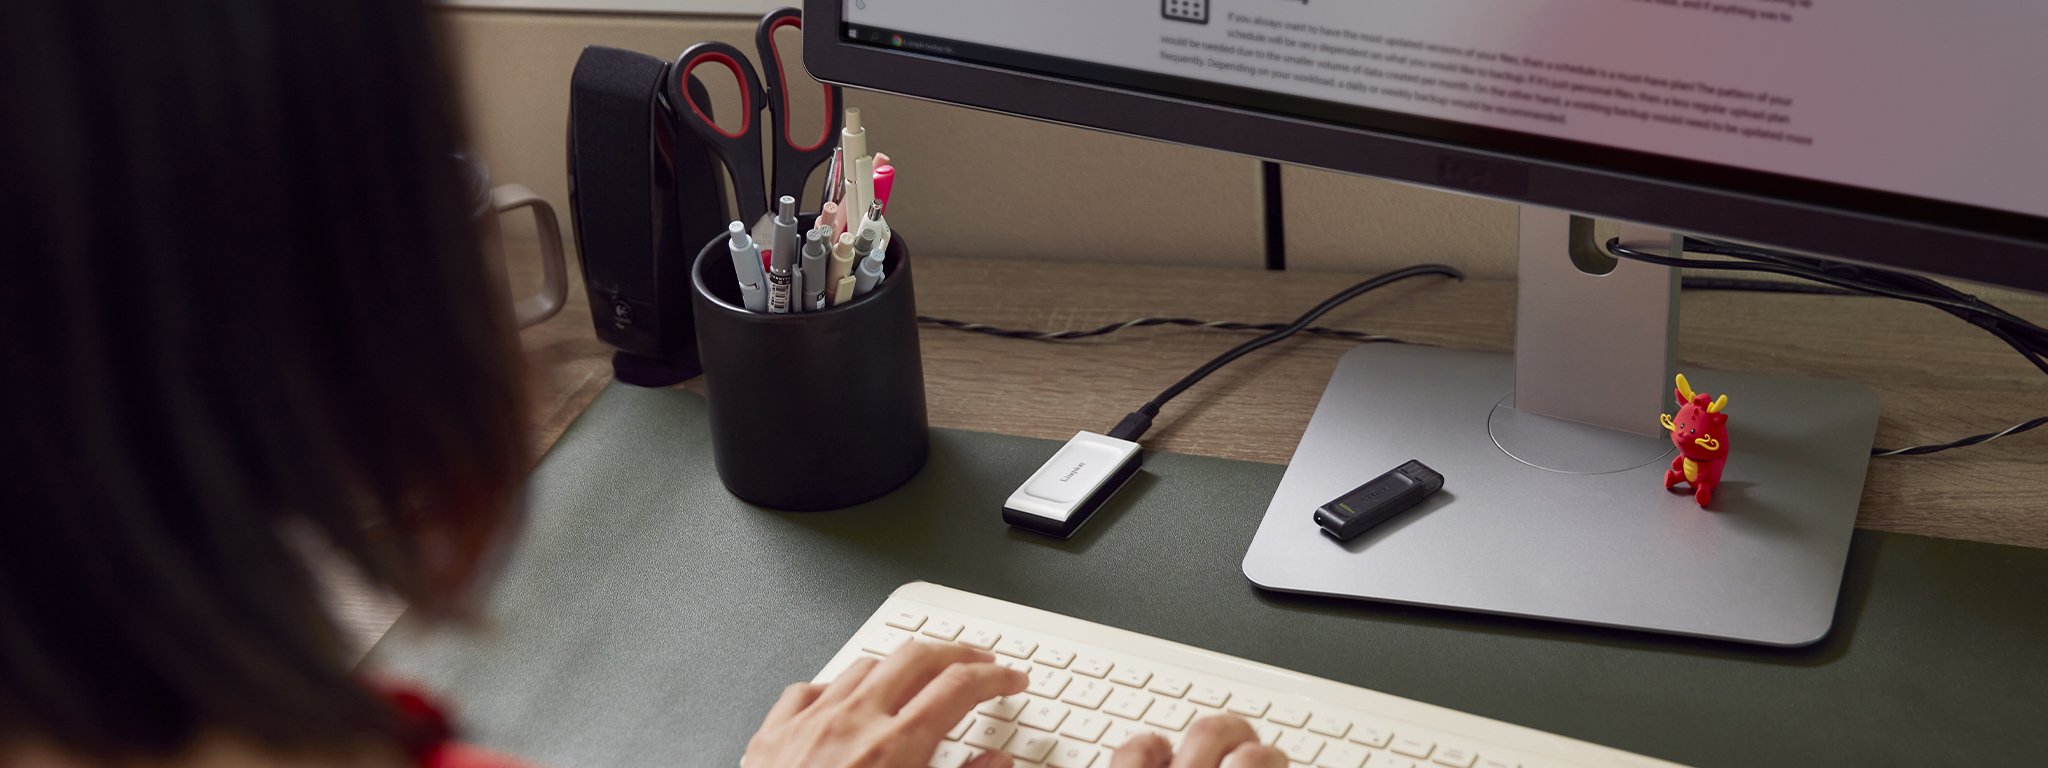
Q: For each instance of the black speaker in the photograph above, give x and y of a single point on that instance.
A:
(642, 196)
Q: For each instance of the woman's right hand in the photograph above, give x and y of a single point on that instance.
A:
(1218, 741)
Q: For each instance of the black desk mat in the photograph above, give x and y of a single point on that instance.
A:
(648, 618)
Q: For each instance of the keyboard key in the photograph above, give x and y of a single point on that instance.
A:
(1128, 704)
(1004, 708)
(1173, 715)
(1249, 706)
(1086, 693)
(943, 629)
(1292, 717)
(1135, 677)
(1209, 696)
(1169, 686)
(1119, 733)
(1332, 726)
(907, 621)
(1268, 732)
(1032, 745)
(885, 642)
(1495, 762)
(1300, 747)
(1093, 666)
(989, 734)
(1341, 755)
(1057, 658)
(1390, 761)
(1086, 727)
(960, 729)
(1017, 647)
(1377, 738)
(1453, 757)
(981, 638)
(1046, 716)
(1017, 664)
(951, 755)
(1415, 748)
(1071, 755)
(1048, 683)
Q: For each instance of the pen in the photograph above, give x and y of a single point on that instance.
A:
(833, 173)
(869, 271)
(784, 257)
(746, 265)
(873, 222)
(849, 212)
(842, 265)
(814, 269)
(864, 177)
(853, 139)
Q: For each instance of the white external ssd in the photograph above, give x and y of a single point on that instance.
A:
(1072, 484)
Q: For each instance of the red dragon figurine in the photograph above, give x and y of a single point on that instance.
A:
(1700, 430)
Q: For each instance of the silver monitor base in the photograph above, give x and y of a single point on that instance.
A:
(1595, 544)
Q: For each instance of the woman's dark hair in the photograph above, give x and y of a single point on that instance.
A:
(242, 306)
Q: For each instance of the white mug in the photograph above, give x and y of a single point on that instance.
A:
(554, 278)
(486, 204)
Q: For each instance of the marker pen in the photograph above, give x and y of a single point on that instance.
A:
(746, 265)
(842, 263)
(845, 292)
(885, 180)
(869, 271)
(814, 268)
(780, 280)
(832, 217)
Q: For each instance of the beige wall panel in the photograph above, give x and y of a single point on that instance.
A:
(973, 183)
(1354, 223)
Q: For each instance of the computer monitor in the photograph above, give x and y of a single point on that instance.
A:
(1898, 134)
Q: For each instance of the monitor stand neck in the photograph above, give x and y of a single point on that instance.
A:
(1596, 338)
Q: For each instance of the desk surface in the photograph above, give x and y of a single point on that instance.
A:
(647, 617)
(1938, 378)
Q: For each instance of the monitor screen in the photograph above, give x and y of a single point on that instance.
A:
(1903, 108)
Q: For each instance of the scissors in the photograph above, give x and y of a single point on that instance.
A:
(740, 150)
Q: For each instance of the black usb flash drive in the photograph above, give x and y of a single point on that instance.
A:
(1378, 500)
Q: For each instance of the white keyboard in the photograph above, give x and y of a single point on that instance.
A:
(1094, 687)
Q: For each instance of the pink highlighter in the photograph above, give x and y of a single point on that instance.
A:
(885, 178)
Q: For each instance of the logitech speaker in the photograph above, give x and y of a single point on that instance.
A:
(642, 195)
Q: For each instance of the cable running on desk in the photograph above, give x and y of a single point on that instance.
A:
(2029, 339)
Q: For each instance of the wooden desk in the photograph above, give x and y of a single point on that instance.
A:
(1938, 378)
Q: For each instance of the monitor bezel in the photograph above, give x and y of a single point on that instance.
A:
(1935, 244)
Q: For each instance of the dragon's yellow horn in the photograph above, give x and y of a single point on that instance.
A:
(1684, 390)
(1719, 403)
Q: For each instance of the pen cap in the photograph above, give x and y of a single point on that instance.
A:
(812, 410)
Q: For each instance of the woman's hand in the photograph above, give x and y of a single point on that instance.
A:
(887, 714)
(1218, 741)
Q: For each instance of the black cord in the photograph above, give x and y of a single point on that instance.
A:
(1143, 322)
(2029, 339)
(1134, 425)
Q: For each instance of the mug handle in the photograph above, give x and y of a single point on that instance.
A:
(554, 280)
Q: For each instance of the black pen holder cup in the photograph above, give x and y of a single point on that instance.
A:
(813, 410)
